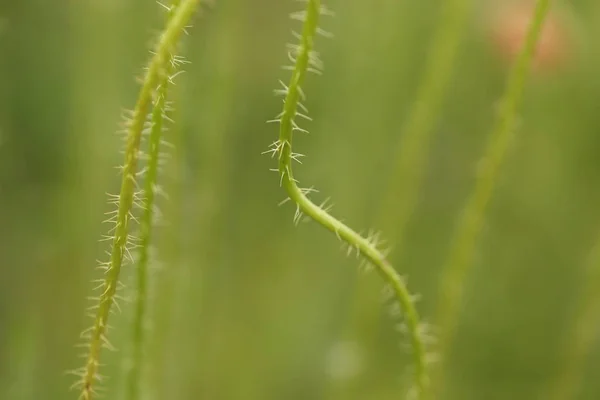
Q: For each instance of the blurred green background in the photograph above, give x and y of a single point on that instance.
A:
(245, 305)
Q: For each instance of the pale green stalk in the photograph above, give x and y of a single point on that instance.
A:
(400, 198)
(582, 334)
(165, 293)
(151, 188)
(305, 60)
(158, 343)
(471, 222)
(96, 335)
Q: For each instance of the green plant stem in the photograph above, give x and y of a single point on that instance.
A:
(162, 302)
(156, 69)
(304, 61)
(399, 201)
(582, 334)
(461, 253)
(146, 223)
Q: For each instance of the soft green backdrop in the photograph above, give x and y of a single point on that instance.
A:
(247, 306)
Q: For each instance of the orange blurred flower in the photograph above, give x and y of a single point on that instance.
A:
(508, 27)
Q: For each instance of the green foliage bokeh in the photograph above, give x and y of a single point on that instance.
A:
(249, 306)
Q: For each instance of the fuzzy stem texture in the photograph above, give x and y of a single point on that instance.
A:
(469, 227)
(146, 223)
(305, 59)
(156, 68)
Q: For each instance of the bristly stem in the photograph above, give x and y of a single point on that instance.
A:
(399, 200)
(461, 253)
(305, 60)
(96, 335)
(151, 189)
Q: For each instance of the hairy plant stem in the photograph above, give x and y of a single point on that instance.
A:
(146, 223)
(156, 69)
(305, 60)
(400, 198)
(461, 253)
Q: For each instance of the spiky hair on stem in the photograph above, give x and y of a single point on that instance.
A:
(305, 59)
(128, 198)
(159, 118)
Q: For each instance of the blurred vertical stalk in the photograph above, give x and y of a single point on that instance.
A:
(582, 333)
(400, 198)
(472, 218)
(161, 108)
(207, 241)
(193, 240)
(165, 301)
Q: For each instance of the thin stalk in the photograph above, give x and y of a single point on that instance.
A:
(399, 201)
(151, 188)
(158, 343)
(305, 60)
(582, 335)
(469, 227)
(96, 335)
(399, 198)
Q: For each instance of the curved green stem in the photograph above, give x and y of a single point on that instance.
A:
(461, 253)
(305, 60)
(127, 196)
